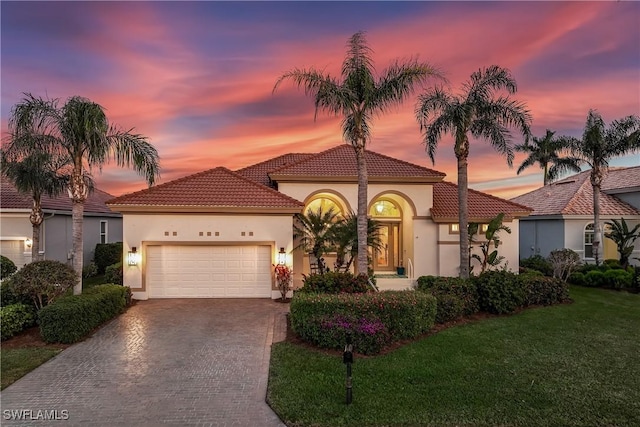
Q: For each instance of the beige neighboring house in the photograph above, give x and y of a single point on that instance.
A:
(218, 233)
(562, 214)
(101, 225)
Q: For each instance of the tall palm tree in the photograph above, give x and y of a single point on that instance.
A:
(546, 152)
(597, 147)
(477, 111)
(344, 235)
(313, 231)
(80, 132)
(35, 171)
(357, 97)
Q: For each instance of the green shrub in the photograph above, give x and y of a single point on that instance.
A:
(43, 281)
(618, 279)
(72, 317)
(107, 254)
(541, 290)
(529, 272)
(455, 297)
(612, 263)
(595, 279)
(7, 267)
(405, 314)
(15, 318)
(8, 297)
(335, 282)
(577, 278)
(499, 292)
(90, 270)
(538, 263)
(564, 262)
(113, 274)
(368, 334)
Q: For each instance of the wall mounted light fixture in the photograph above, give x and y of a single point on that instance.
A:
(282, 257)
(28, 243)
(133, 256)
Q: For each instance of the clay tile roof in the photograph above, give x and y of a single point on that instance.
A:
(340, 162)
(260, 171)
(213, 188)
(619, 179)
(482, 206)
(574, 196)
(10, 198)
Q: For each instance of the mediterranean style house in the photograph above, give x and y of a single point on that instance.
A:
(218, 233)
(101, 225)
(562, 214)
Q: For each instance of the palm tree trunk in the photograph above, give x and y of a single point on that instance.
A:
(463, 216)
(36, 218)
(362, 264)
(546, 174)
(596, 182)
(78, 192)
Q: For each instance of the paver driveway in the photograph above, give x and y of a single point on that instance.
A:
(173, 362)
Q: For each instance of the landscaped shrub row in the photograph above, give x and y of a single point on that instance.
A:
(71, 318)
(609, 278)
(335, 283)
(372, 319)
(15, 318)
(497, 292)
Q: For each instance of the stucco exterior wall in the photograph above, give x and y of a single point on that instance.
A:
(142, 229)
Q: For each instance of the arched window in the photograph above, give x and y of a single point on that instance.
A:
(385, 208)
(323, 203)
(588, 241)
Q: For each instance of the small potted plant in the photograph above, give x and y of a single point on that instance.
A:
(400, 269)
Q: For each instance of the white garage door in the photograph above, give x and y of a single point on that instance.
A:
(13, 249)
(208, 271)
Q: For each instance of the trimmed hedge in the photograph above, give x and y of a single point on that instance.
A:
(542, 290)
(499, 292)
(107, 254)
(15, 318)
(7, 267)
(604, 277)
(113, 274)
(455, 297)
(537, 263)
(73, 317)
(333, 282)
(324, 319)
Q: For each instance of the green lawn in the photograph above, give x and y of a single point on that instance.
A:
(568, 365)
(17, 362)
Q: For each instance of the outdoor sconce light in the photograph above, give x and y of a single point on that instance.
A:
(28, 243)
(133, 256)
(282, 257)
(379, 207)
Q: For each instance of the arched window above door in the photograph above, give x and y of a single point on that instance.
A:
(384, 208)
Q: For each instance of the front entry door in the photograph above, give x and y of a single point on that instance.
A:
(386, 258)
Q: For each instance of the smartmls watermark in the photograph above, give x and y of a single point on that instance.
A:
(35, 414)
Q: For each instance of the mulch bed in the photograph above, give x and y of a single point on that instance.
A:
(30, 338)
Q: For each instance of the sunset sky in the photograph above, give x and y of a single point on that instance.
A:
(197, 77)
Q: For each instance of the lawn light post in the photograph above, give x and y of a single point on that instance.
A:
(347, 359)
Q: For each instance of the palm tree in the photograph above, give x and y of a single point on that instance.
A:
(344, 235)
(597, 147)
(35, 172)
(546, 153)
(624, 237)
(479, 112)
(313, 231)
(357, 97)
(80, 132)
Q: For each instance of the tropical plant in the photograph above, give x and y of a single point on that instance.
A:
(80, 132)
(490, 258)
(32, 170)
(564, 262)
(623, 237)
(344, 235)
(43, 281)
(357, 97)
(600, 144)
(477, 111)
(284, 279)
(313, 232)
(546, 152)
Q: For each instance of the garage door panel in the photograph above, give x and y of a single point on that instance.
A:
(208, 271)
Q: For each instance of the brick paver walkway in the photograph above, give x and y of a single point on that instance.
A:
(171, 362)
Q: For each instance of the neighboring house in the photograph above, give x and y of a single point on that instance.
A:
(217, 233)
(101, 225)
(562, 214)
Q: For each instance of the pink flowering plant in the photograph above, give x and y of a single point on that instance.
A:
(284, 279)
(369, 334)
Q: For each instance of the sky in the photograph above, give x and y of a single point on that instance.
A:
(197, 78)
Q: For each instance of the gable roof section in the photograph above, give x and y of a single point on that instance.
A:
(11, 198)
(622, 180)
(338, 164)
(214, 190)
(260, 171)
(482, 207)
(574, 196)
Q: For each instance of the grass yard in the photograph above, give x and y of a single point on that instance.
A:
(17, 362)
(567, 365)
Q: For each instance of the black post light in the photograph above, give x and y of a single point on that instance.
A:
(347, 359)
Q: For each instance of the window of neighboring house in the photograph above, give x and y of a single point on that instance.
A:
(588, 241)
(103, 232)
